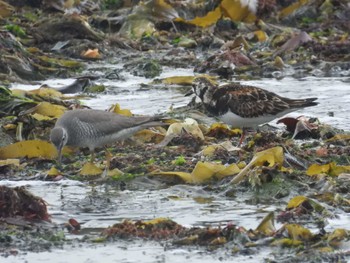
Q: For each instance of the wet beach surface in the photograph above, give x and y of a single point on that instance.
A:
(100, 206)
(281, 211)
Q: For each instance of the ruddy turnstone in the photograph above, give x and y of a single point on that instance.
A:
(245, 106)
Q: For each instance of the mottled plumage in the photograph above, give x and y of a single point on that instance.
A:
(96, 128)
(245, 106)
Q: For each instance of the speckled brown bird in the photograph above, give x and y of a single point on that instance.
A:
(244, 106)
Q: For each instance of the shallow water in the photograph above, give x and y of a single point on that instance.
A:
(99, 207)
(102, 206)
(128, 252)
(333, 94)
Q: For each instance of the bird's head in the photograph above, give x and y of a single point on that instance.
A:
(203, 88)
(59, 138)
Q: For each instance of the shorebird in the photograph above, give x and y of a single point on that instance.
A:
(96, 128)
(244, 106)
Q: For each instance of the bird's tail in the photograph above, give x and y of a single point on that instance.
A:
(153, 124)
(151, 121)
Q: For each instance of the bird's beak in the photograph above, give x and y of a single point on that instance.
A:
(59, 151)
(189, 93)
(59, 159)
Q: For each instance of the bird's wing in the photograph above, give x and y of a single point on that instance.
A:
(248, 101)
(108, 122)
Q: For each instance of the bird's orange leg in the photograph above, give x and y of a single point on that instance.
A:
(242, 137)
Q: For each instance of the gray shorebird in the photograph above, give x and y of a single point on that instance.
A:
(95, 128)
(244, 106)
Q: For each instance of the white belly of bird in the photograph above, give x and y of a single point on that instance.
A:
(239, 122)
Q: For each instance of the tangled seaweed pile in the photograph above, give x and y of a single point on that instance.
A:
(224, 37)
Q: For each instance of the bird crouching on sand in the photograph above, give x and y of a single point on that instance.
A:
(96, 128)
(244, 106)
